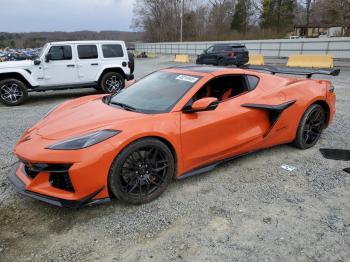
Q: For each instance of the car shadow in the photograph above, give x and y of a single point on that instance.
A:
(41, 98)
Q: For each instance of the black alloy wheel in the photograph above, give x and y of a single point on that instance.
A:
(310, 127)
(142, 171)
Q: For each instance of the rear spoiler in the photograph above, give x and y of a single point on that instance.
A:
(293, 71)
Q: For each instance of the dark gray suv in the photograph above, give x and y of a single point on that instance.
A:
(224, 54)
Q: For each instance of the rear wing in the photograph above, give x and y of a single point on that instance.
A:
(293, 71)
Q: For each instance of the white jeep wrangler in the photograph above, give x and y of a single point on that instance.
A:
(65, 65)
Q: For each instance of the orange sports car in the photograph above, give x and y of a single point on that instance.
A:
(174, 123)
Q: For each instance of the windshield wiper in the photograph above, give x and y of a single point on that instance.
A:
(124, 106)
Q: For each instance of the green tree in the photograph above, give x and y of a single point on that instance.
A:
(241, 16)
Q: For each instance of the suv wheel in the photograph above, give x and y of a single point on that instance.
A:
(12, 92)
(112, 83)
(221, 62)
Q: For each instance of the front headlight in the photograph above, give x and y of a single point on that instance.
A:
(84, 140)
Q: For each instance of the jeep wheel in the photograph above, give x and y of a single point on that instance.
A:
(112, 83)
(12, 92)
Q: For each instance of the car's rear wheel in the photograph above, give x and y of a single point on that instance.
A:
(13, 92)
(142, 171)
(112, 83)
(310, 127)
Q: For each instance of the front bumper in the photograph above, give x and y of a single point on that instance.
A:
(21, 188)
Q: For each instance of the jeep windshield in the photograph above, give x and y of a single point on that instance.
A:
(42, 50)
(156, 93)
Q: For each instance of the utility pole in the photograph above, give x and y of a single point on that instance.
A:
(308, 10)
(181, 20)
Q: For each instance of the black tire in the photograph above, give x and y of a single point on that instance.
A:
(131, 62)
(310, 127)
(112, 83)
(13, 92)
(221, 62)
(137, 176)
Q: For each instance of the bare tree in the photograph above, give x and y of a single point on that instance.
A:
(220, 16)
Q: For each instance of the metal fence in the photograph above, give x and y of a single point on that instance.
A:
(338, 47)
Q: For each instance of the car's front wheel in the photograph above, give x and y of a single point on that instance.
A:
(13, 92)
(221, 62)
(112, 83)
(310, 127)
(142, 171)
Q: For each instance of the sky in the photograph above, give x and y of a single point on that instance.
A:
(65, 15)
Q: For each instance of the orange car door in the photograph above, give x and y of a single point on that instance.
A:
(228, 130)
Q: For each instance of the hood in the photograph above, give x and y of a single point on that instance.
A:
(83, 116)
(24, 64)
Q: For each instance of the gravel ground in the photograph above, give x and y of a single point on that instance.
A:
(247, 210)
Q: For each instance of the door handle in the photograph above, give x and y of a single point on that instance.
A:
(94, 64)
(70, 65)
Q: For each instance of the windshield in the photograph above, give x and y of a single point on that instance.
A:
(156, 93)
(42, 50)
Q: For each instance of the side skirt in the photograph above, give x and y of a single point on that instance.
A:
(209, 167)
(62, 87)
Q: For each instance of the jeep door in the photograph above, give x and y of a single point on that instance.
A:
(59, 66)
(87, 62)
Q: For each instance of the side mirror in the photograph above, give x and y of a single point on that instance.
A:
(205, 51)
(203, 104)
(37, 62)
(48, 58)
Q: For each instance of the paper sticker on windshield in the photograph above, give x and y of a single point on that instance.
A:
(190, 79)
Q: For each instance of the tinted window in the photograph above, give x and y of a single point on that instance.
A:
(87, 51)
(112, 51)
(210, 49)
(223, 48)
(223, 88)
(252, 81)
(61, 52)
(156, 93)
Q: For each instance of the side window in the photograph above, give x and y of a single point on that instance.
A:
(87, 52)
(210, 49)
(61, 53)
(218, 48)
(223, 88)
(252, 82)
(112, 51)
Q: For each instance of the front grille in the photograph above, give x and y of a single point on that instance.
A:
(62, 181)
(58, 173)
(29, 172)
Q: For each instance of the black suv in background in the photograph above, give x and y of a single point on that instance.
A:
(224, 54)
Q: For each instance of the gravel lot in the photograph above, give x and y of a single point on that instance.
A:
(247, 210)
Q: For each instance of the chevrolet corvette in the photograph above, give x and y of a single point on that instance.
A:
(174, 123)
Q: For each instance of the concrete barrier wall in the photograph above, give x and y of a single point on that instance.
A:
(338, 47)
